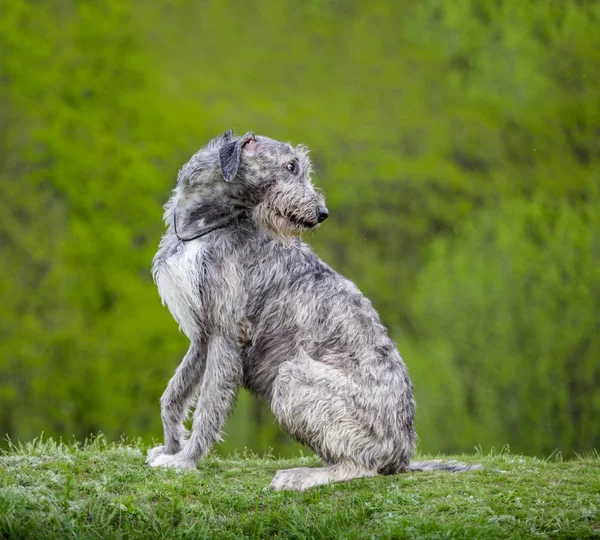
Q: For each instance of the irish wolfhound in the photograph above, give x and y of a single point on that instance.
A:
(263, 311)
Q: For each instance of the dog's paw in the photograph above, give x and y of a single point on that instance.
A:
(299, 479)
(174, 461)
(155, 452)
(162, 449)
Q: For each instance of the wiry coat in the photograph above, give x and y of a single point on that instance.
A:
(262, 311)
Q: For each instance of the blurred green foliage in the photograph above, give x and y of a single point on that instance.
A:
(458, 143)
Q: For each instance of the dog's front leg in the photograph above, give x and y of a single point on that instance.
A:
(176, 399)
(222, 378)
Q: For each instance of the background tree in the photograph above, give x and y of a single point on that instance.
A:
(458, 143)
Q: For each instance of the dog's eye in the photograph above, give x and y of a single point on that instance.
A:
(292, 167)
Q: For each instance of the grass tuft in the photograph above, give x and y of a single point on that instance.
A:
(97, 489)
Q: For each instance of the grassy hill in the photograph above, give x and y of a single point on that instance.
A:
(101, 490)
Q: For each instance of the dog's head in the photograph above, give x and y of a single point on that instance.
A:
(251, 177)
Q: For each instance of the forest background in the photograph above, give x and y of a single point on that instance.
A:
(458, 144)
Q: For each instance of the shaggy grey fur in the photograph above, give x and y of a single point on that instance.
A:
(262, 311)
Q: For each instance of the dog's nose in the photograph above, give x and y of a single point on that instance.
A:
(322, 213)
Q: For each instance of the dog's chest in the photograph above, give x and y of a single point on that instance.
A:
(178, 281)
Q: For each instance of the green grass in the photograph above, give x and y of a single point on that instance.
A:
(100, 490)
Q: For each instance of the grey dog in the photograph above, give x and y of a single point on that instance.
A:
(262, 311)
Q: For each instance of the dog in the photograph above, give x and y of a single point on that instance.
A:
(262, 311)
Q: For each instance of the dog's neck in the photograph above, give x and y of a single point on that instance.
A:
(203, 231)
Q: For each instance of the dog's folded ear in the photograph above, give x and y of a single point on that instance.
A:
(230, 152)
(229, 156)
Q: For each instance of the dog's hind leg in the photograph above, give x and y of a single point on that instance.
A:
(319, 404)
(177, 398)
(304, 478)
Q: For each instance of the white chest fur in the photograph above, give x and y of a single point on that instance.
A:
(177, 279)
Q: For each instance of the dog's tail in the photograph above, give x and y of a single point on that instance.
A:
(437, 465)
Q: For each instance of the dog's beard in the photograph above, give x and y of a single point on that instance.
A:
(282, 224)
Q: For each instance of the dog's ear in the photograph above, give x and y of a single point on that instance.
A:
(227, 136)
(229, 156)
(230, 153)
